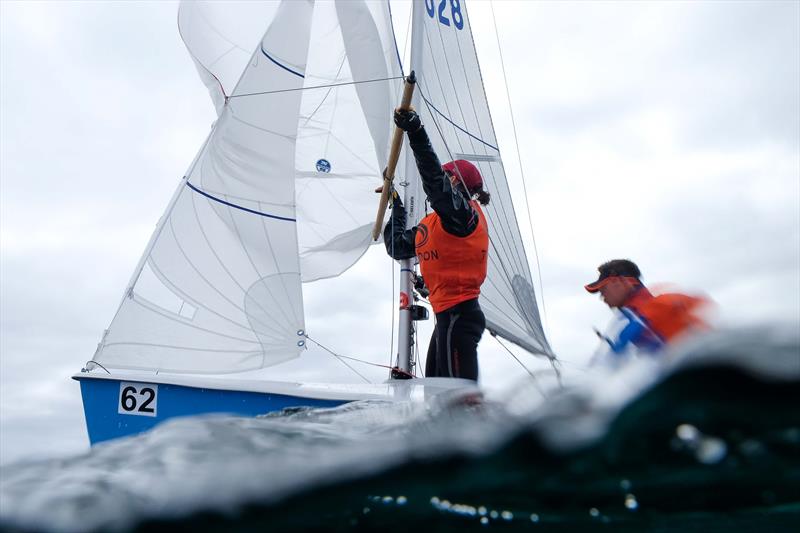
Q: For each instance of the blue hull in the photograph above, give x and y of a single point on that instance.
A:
(105, 400)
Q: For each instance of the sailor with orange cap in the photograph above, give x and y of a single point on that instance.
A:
(451, 245)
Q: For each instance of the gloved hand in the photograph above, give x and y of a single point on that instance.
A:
(407, 120)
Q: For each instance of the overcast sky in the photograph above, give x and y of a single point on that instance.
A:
(665, 132)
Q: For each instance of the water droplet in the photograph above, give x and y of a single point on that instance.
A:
(751, 447)
(711, 450)
(365, 510)
(402, 500)
(625, 485)
(445, 504)
(687, 432)
(494, 514)
(534, 517)
(594, 512)
(630, 502)
(434, 501)
(387, 499)
(507, 515)
(482, 510)
(484, 520)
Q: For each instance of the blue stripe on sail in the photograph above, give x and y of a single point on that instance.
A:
(284, 67)
(459, 127)
(195, 189)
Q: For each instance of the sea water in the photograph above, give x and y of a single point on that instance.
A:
(706, 438)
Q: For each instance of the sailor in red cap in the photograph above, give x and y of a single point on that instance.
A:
(452, 245)
(652, 321)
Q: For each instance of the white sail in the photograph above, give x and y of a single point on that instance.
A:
(351, 85)
(281, 192)
(219, 288)
(451, 101)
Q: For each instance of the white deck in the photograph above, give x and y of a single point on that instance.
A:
(390, 390)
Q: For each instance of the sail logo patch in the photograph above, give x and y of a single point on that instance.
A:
(323, 165)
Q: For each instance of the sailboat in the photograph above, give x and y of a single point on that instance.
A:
(281, 194)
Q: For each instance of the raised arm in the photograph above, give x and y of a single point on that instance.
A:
(457, 215)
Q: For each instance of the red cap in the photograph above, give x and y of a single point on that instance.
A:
(466, 171)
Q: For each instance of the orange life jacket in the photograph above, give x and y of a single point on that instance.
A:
(453, 267)
(668, 315)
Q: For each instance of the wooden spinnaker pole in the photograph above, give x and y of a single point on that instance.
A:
(394, 156)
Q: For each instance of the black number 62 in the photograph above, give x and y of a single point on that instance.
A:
(128, 399)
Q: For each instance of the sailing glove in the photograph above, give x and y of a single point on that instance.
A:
(407, 120)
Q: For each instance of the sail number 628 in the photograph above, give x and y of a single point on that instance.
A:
(455, 12)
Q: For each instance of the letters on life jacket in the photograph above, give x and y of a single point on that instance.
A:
(453, 267)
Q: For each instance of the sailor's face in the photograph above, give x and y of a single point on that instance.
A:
(453, 178)
(615, 292)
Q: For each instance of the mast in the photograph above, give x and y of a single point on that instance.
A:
(406, 330)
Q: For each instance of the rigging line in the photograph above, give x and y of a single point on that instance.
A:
(533, 377)
(408, 31)
(327, 94)
(93, 362)
(394, 37)
(517, 253)
(316, 87)
(450, 154)
(451, 78)
(430, 106)
(394, 292)
(499, 198)
(444, 96)
(519, 160)
(447, 148)
(342, 358)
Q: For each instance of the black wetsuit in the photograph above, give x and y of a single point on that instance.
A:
(453, 350)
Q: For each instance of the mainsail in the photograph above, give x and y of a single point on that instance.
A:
(281, 191)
